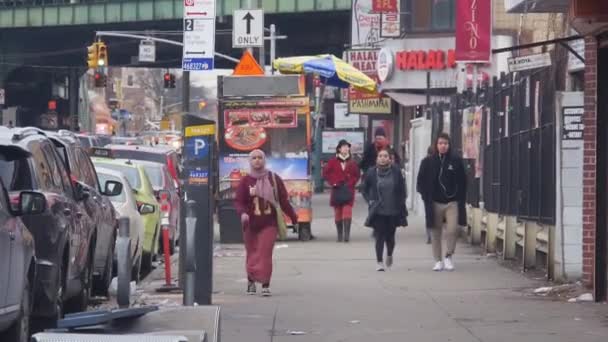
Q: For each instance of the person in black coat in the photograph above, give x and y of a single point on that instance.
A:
(442, 183)
(428, 205)
(371, 151)
(385, 192)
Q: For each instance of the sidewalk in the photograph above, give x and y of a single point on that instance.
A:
(331, 292)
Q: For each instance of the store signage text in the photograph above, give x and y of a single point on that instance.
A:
(425, 60)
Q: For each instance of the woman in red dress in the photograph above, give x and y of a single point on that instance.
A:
(342, 173)
(255, 202)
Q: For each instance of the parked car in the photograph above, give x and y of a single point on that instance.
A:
(97, 207)
(159, 154)
(86, 141)
(147, 204)
(17, 261)
(126, 206)
(63, 233)
(168, 196)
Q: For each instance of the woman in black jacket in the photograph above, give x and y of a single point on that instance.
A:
(385, 192)
(442, 183)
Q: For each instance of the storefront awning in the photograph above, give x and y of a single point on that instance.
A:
(409, 99)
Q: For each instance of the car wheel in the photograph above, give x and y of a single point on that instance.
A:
(80, 302)
(136, 270)
(102, 284)
(146, 262)
(20, 330)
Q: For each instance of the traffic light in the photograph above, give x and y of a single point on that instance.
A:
(100, 79)
(102, 54)
(169, 80)
(92, 55)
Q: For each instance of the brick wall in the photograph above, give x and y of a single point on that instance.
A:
(589, 166)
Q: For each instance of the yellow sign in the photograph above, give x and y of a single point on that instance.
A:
(371, 106)
(195, 131)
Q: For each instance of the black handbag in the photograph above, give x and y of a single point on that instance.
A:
(342, 194)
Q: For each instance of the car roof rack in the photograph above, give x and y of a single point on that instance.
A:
(27, 131)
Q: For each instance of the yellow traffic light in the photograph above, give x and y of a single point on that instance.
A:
(102, 54)
(92, 56)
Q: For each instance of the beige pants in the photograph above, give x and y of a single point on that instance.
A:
(449, 213)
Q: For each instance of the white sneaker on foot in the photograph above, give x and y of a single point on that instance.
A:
(449, 265)
(266, 292)
(380, 267)
(438, 266)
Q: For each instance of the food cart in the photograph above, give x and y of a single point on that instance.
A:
(275, 120)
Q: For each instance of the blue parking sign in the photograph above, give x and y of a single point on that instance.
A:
(197, 147)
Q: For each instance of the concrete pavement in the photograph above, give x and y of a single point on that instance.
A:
(331, 292)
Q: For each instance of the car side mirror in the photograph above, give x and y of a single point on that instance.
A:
(82, 192)
(145, 209)
(32, 203)
(112, 188)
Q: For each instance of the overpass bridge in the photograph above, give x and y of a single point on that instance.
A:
(45, 13)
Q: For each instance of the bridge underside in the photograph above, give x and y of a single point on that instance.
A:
(124, 11)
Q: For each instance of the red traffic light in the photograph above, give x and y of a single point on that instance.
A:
(167, 77)
(97, 76)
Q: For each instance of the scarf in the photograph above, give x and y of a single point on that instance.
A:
(263, 187)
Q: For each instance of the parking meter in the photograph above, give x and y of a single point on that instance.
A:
(198, 171)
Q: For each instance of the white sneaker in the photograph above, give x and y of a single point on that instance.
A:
(438, 266)
(449, 265)
(380, 267)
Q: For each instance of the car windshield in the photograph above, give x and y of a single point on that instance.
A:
(85, 142)
(155, 173)
(131, 173)
(15, 174)
(140, 155)
(103, 178)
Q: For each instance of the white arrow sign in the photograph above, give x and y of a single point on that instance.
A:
(248, 28)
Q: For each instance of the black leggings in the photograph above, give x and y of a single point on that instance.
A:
(384, 232)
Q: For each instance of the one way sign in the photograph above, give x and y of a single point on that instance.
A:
(248, 28)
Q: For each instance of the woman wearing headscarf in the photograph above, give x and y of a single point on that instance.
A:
(342, 173)
(385, 192)
(255, 203)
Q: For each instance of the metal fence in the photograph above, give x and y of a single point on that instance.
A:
(517, 139)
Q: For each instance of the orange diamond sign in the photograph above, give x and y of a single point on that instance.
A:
(248, 66)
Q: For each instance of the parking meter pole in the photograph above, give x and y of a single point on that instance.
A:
(190, 253)
(199, 147)
(124, 264)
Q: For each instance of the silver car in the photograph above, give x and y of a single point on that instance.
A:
(126, 206)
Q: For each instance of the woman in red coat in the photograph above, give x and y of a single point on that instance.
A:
(255, 202)
(342, 173)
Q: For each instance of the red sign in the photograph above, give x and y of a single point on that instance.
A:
(425, 60)
(261, 117)
(473, 31)
(384, 6)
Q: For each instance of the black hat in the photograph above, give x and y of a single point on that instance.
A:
(380, 132)
(342, 143)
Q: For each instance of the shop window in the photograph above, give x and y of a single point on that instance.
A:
(430, 15)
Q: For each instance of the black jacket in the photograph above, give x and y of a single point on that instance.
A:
(370, 194)
(454, 178)
(370, 154)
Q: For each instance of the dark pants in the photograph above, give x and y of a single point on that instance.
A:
(384, 232)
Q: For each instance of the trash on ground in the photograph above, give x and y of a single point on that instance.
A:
(545, 289)
(354, 322)
(585, 297)
(113, 290)
(284, 245)
(295, 333)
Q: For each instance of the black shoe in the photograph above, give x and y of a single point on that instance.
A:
(251, 290)
(428, 241)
